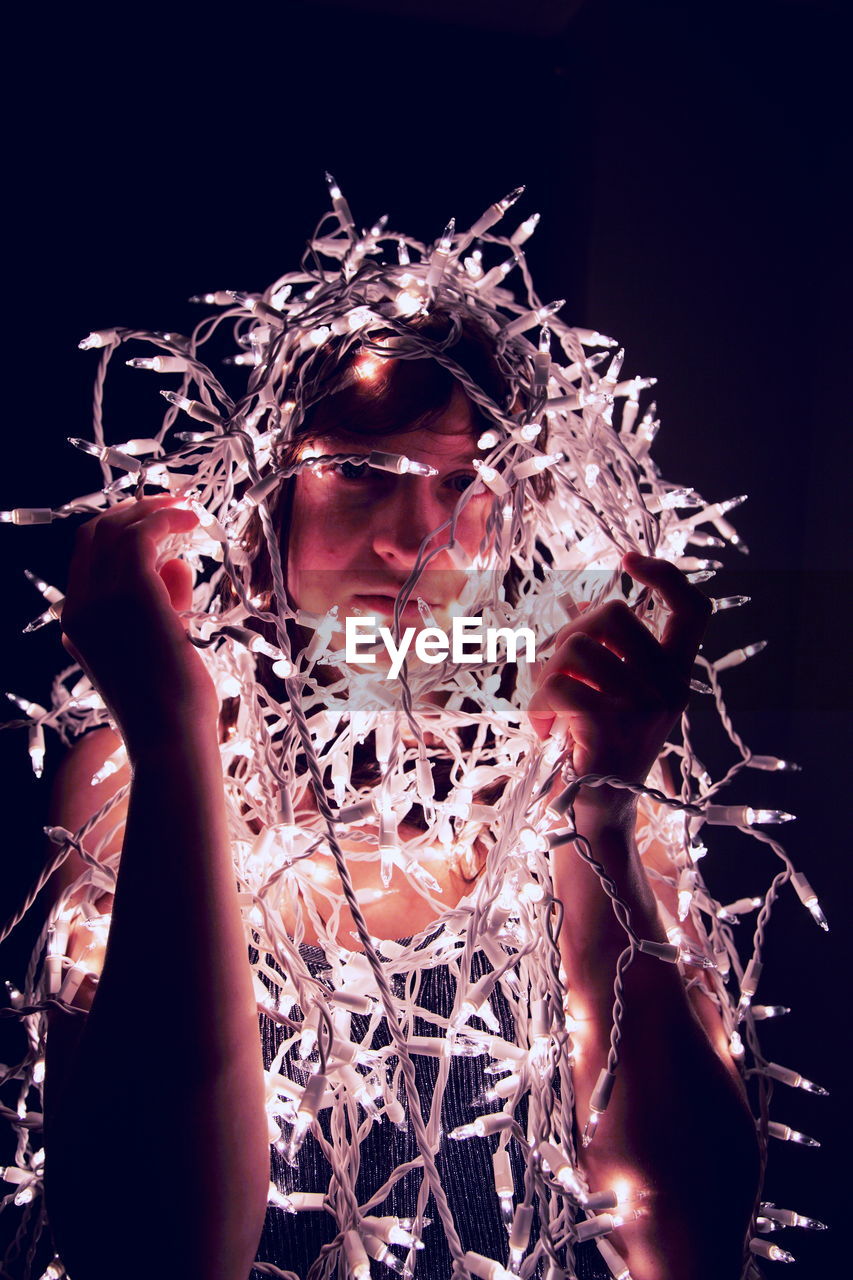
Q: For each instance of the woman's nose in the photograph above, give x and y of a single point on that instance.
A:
(404, 520)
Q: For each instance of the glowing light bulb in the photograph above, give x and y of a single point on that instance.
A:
(561, 1169)
(786, 1134)
(487, 1268)
(614, 1261)
(793, 1078)
(219, 298)
(358, 1263)
(36, 748)
(762, 1011)
(491, 478)
(104, 453)
(737, 656)
(339, 204)
(488, 439)
(495, 1122)
(193, 408)
(788, 1218)
(598, 1104)
(525, 230)
(98, 339)
(743, 815)
(28, 515)
(305, 1115)
(542, 362)
(533, 466)
(399, 463)
(604, 1223)
(808, 897)
(111, 766)
(764, 1249)
(531, 318)
(159, 364)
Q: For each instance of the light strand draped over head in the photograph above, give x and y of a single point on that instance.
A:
(441, 760)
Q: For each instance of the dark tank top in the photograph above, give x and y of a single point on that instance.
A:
(293, 1241)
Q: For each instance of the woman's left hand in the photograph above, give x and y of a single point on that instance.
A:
(611, 687)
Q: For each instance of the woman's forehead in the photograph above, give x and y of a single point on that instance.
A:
(450, 433)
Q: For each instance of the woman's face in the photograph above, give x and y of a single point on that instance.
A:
(355, 532)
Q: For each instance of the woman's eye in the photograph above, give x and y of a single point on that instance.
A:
(462, 481)
(353, 470)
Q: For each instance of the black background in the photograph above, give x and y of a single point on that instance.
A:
(689, 162)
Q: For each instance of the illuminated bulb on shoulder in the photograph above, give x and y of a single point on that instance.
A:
(561, 1169)
(111, 765)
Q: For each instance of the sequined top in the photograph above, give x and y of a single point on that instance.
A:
(293, 1241)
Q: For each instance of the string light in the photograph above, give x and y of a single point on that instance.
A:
(564, 542)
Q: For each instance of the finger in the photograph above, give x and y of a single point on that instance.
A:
(127, 512)
(178, 578)
(142, 537)
(689, 609)
(587, 660)
(617, 626)
(560, 696)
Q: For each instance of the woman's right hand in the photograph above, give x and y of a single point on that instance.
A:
(120, 621)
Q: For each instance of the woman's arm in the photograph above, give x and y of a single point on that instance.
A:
(157, 1150)
(677, 1127)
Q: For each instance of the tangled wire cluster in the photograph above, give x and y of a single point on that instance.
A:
(566, 458)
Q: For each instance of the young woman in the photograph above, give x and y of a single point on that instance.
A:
(158, 1100)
